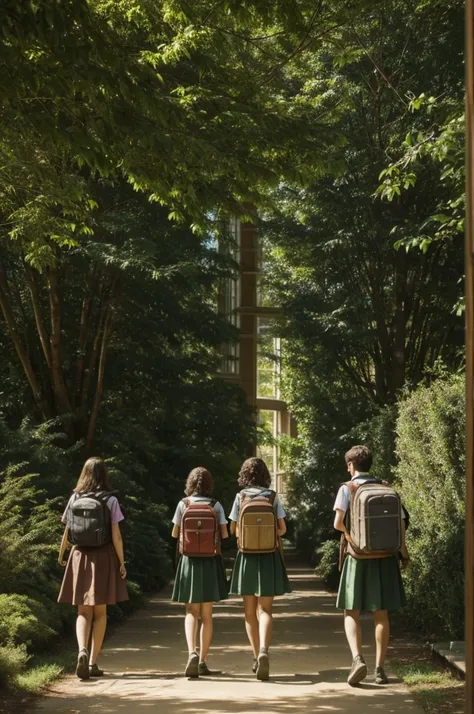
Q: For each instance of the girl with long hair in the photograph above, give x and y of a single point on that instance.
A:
(94, 575)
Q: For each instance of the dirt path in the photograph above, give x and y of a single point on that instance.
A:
(145, 658)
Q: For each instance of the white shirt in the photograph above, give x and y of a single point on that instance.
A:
(181, 507)
(277, 507)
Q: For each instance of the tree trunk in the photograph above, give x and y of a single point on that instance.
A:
(43, 335)
(399, 324)
(82, 348)
(20, 348)
(100, 381)
(61, 397)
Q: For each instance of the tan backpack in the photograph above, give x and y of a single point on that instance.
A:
(257, 523)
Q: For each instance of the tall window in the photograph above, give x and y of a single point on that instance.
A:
(229, 297)
(268, 360)
(269, 423)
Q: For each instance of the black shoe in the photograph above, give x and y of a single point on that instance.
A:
(254, 665)
(263, 667)
(203, 670)
(82, 668)
(192, 666)
(358, 671)
(94, 671)
(380, 676)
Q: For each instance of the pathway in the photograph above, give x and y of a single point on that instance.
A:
(310, 659)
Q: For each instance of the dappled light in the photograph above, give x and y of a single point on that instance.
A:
(144, 661)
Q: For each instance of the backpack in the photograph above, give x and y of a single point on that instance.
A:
(199, 535)
(375, 520)
(88, 519)
(257, 523)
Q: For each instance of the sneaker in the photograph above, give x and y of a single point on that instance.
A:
(94, 671)
(358, 671)
(82, 668)
(203, 670)
(380, 676)
(192, 666)
(254, 665)
(263, 667)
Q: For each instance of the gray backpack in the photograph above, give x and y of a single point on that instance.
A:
(375, 520)
(89, 521)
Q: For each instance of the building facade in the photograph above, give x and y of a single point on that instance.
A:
(255, 361)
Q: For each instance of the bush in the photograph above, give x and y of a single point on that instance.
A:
(431, 479)
(328, 566)
(24, 621)
(12, 661)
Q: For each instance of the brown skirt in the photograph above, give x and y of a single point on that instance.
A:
(92, 577)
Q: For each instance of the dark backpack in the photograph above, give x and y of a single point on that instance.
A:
(89, 520)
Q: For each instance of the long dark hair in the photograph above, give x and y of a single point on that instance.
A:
(94, 476)
(254, 472)
(199, 481)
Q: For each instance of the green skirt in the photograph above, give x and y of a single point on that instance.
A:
(262, 575)
(371, 584)
(200, 580)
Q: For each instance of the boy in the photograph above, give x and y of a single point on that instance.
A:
(372, 584)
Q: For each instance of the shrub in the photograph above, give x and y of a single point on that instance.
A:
(431, 479)
(24, 621)
(328, 566)
(12, 661)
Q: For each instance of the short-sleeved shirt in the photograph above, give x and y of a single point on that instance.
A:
(116, 514)
(181, 507)
(343, 498)
(277, 507)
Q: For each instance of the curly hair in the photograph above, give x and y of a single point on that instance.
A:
(199, 481)
(254, 472)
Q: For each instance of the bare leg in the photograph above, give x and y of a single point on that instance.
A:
(382, 634)
(98, 631)
(196, 636)
(353, 631)
(251, 622)
(265, 620)
(83, 625)
(191, 623)
(206, 630)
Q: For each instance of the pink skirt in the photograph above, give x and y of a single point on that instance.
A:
(92, 577)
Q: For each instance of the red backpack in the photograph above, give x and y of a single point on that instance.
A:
(199, 535)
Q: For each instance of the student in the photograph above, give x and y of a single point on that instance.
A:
(94, 575)
(200, 581)
(372, 584)
(258, 577)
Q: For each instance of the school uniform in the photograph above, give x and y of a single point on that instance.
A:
(92, 575)
(368, 583)
(263, 575)
(200, 579)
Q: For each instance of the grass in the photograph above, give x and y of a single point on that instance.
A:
(436, 689)
(43, 669)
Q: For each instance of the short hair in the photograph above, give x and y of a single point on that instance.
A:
(254, 472)
(360, 457)
(199, 481)
(94, 476)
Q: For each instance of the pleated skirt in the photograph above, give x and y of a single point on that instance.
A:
(92, 577)
(262, 575)
(371, 584)
(200, 580)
